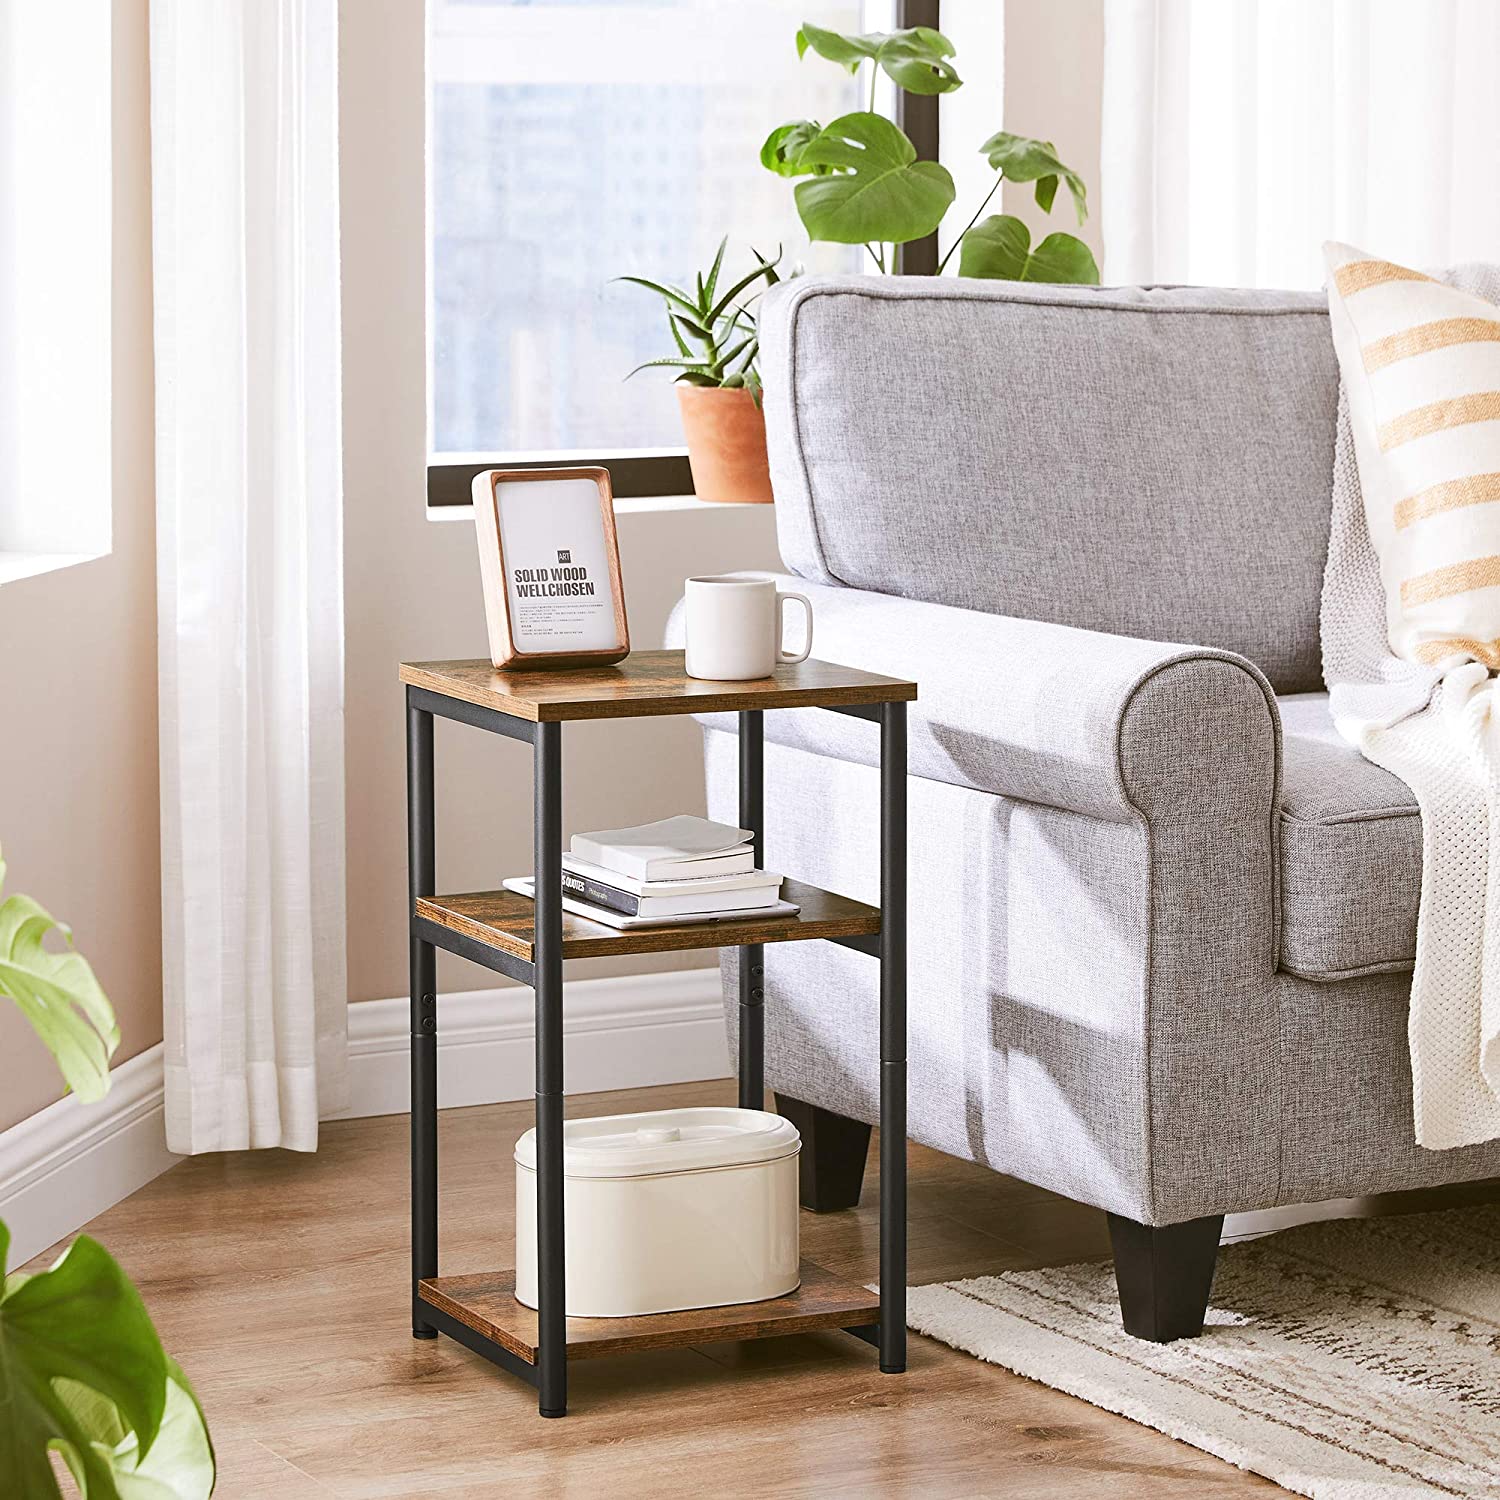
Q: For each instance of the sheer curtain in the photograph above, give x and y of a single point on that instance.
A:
(244, 127)
(1240, 134)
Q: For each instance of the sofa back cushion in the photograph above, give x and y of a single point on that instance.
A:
(1154, 463)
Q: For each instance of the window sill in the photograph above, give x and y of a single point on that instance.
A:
(16, 565)
(651, 505)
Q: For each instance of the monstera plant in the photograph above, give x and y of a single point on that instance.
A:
(82, 1372)
(861, 182)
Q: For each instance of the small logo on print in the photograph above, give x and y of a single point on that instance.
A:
(563, 555)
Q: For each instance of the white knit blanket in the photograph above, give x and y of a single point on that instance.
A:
(1440, 733)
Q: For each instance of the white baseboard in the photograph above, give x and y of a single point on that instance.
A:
(626, 1031)
(69, 1162)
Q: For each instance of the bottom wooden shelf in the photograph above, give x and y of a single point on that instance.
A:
(486, 1303)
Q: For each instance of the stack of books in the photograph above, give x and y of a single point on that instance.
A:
(681, 869)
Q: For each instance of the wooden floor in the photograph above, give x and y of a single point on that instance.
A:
(279, 1282)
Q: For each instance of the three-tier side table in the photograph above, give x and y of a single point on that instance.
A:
(528, 942)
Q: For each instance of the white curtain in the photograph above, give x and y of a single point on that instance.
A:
(244, 156)
(1238, 135)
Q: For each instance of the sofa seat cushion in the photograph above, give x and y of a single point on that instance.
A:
(1351, 853)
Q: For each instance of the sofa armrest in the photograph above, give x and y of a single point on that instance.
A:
(1094, 944)
(1104, 725)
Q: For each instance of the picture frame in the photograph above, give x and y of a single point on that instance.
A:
(550, 562)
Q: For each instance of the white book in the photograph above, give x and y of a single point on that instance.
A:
(742, 880)
(524, 885)
(671, 848)
(666, 898)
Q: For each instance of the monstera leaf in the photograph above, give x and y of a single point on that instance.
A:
(999, 248)
(83, 1374)
(180, 1464)
(916, 58)
(878, 190)
(58, 994)
(1022, 159)
(782, 152)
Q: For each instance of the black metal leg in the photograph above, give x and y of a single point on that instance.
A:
(753, 955)
(421, 877)
(552, 1323)
(893, 1038)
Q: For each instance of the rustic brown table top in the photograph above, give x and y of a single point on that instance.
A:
(649, 683)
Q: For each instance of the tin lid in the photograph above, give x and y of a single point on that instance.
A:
(667, 1140)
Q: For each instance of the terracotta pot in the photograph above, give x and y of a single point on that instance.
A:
(726, 438)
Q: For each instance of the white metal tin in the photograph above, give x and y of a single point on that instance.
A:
(668, 1210)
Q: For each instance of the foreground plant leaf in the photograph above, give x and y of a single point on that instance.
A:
(999, 248)
(916, 57)
(82, 1373)
(879, 191)
(180, 1464)
(58, 994)
(1022, 159)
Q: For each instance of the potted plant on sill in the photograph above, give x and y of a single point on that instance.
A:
(718, 384)
(861, 183)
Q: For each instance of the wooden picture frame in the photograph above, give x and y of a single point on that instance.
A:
(550, 561)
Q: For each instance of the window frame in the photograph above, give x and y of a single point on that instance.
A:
(654, 473)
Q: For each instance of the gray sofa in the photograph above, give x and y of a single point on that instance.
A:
(1162, 919)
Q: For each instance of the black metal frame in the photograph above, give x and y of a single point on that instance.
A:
(645, 475)
(917, 115)
(544, 975)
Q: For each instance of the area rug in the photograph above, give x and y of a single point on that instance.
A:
(1346, 1361)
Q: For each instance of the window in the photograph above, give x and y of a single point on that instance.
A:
(574, 141)
(55, 284)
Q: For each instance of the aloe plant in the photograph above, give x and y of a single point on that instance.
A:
(714, 333)
(862, 183)
(82, 1371)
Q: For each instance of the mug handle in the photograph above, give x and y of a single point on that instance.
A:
(806, 603)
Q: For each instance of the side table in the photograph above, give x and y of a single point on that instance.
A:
(528, 942)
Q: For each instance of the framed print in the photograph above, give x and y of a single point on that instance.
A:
(553, 596)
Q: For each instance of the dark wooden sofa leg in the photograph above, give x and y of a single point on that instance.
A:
(1164, 1273)
(831, 1169)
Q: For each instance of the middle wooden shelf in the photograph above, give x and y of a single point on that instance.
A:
(503, 920)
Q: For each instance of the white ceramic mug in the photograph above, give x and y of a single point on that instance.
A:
(735, 627)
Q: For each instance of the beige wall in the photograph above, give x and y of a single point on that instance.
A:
(78, 803)
(1054, 89)
(412, 586)
(78, 788)
(78, 758)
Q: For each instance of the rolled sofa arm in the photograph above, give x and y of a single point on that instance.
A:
(1122, 959)
(1104, 725)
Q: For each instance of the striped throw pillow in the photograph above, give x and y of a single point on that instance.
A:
(1421, 366)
